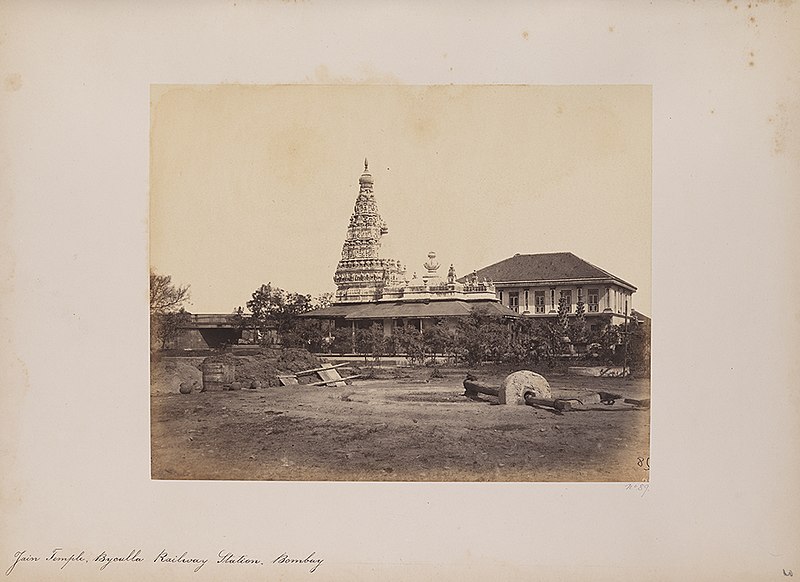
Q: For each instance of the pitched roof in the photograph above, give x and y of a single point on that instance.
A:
(545, 267)
(412, 309)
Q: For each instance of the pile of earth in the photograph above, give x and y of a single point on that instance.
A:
(265, 366)
(166, 375)
(260, 369)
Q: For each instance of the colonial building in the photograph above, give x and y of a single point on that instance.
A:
(535, 285)
(373, 289)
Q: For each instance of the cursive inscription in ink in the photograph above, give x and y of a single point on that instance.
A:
(310, 559)
(63, 559)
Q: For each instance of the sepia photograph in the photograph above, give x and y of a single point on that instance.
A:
(400, 283)
(437, 291)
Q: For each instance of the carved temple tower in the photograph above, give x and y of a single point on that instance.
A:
(362, 273)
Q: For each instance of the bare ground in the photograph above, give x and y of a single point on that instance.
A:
(399, 430)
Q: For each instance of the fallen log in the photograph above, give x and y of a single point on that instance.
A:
(473, 387)
(608, 398)
(556, 403)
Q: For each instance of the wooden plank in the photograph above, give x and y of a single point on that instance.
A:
(287, 380)
(331, 375)
(324, 382)
(325, 367)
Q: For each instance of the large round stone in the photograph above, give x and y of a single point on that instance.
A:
(517, 384)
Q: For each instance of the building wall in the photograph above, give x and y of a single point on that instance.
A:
(611, 299)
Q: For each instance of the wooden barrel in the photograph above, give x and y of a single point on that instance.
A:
(217, 373)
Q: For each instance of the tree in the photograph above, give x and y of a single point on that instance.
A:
(168, 325)
(371, 342)
(274, 308)
(563, 313)
(524, 343)
(535, 340)
(322, 301)
(483, 336)
(164, 296)
(577, 330)
(342, 341)
(438, 339)
(167, 314)
(639, 347)
(305, 333)
(408, 340)
(606, 342)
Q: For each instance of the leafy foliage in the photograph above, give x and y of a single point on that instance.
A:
(370, 341)
(167, 314)
(409, 340)
(481, 337)
(168, 325)
(342, 341)
(322, 301)
(305, 333)
(274, 308)
(639, 347)
(563, 312)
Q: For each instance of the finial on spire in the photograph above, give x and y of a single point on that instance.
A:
(366, 178)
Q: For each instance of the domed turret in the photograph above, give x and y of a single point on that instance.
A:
(366, 178)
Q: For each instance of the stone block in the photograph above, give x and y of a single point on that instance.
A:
(517, 384)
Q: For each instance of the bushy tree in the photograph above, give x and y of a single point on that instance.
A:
(272, 307)
(577, 331)
(322, 301)
(305, 333)
(371, 342)
(531, 340)
(605, 343)
(168, 326)
(482, 337)
(342, 341)
(639, 347)
(410, 341)
(524, 343)
(438, 339)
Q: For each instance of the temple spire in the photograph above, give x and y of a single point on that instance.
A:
(362, 273)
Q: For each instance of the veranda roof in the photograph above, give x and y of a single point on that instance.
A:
(409, 309)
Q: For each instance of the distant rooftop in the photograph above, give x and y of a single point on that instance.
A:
(544, 267)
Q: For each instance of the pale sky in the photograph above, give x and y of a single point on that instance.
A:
(256, 184)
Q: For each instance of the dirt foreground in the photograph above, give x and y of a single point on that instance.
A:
(400, 430)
